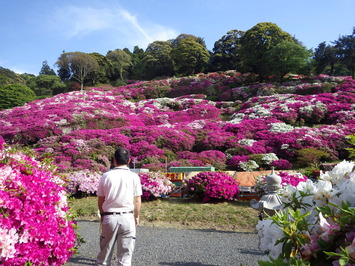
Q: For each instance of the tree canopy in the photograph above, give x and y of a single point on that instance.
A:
(256, 42)
(76, 65)
(226, 51)
(345, 46)
(265, 50)
(190, 57)
(287, 57)
(12, 95)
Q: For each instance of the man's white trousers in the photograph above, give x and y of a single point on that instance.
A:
(120, 228)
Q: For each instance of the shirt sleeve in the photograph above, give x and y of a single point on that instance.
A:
(100, 188)
(137, 186)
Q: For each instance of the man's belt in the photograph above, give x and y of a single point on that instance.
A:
(115, 213)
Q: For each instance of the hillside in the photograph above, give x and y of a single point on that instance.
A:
(226, 120)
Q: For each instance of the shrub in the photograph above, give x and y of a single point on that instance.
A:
(281, 164)
(311, 156)
(34, 224)
(213, 185)
(155, 184)
(83, 183)
(15, 95)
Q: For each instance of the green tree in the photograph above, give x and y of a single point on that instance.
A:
(101, 74)
(325, 56)
(13, 95)
(121, 64)
(287, 57)
(190, 57)
(77, 66)
(46, 85)
(157, 60)
(226, 52)
(346, 51)
(46, 70)
(185, 36)
(138, 70)
(256, 42)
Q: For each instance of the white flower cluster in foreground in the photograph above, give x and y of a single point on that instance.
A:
(333, 187)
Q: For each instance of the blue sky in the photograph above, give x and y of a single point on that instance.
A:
(32, 31)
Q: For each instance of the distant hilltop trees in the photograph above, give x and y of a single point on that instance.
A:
(264, 50)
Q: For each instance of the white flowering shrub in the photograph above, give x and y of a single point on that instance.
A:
(317, 224)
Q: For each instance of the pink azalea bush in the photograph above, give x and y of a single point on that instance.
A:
(34, 224)
(155, 184)
(212, 185)
(83, 183)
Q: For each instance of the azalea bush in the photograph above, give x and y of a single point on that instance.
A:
(82, 130)
(316, 226)
(83, 183)
(155, 184)
(35, 223)
(212, 186)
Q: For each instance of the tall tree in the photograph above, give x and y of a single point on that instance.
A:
(226, 52)
(256, 42)
(287, 57)
(46, 70)
(77, 66)
(346, 51)
(157, 59)
(121, 64)
(138, 70)
(100, 75)
(190, 57)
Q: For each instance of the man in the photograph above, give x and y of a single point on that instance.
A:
(119, 200)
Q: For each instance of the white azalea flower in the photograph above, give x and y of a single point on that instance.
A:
(339, 172)
(269, 233)
(281, 128)
(347, 191)
(247, 142)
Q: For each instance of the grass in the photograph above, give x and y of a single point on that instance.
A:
(235, 216)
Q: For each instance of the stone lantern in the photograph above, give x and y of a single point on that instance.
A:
(270, 202)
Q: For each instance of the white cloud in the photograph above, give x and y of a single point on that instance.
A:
(74, 22)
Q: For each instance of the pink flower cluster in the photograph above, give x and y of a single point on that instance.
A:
(332, 235)
(34, 224)
(155, 184)
(212, 185)
(83, 183)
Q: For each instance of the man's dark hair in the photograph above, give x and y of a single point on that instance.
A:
(122, 156)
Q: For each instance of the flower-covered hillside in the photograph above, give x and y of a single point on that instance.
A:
(81, 130)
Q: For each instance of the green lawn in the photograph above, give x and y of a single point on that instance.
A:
(183, 213)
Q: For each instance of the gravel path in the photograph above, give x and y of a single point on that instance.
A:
(169, 246)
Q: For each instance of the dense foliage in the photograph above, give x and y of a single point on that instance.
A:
(261, 125)
(34, 224)
(14, 95)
